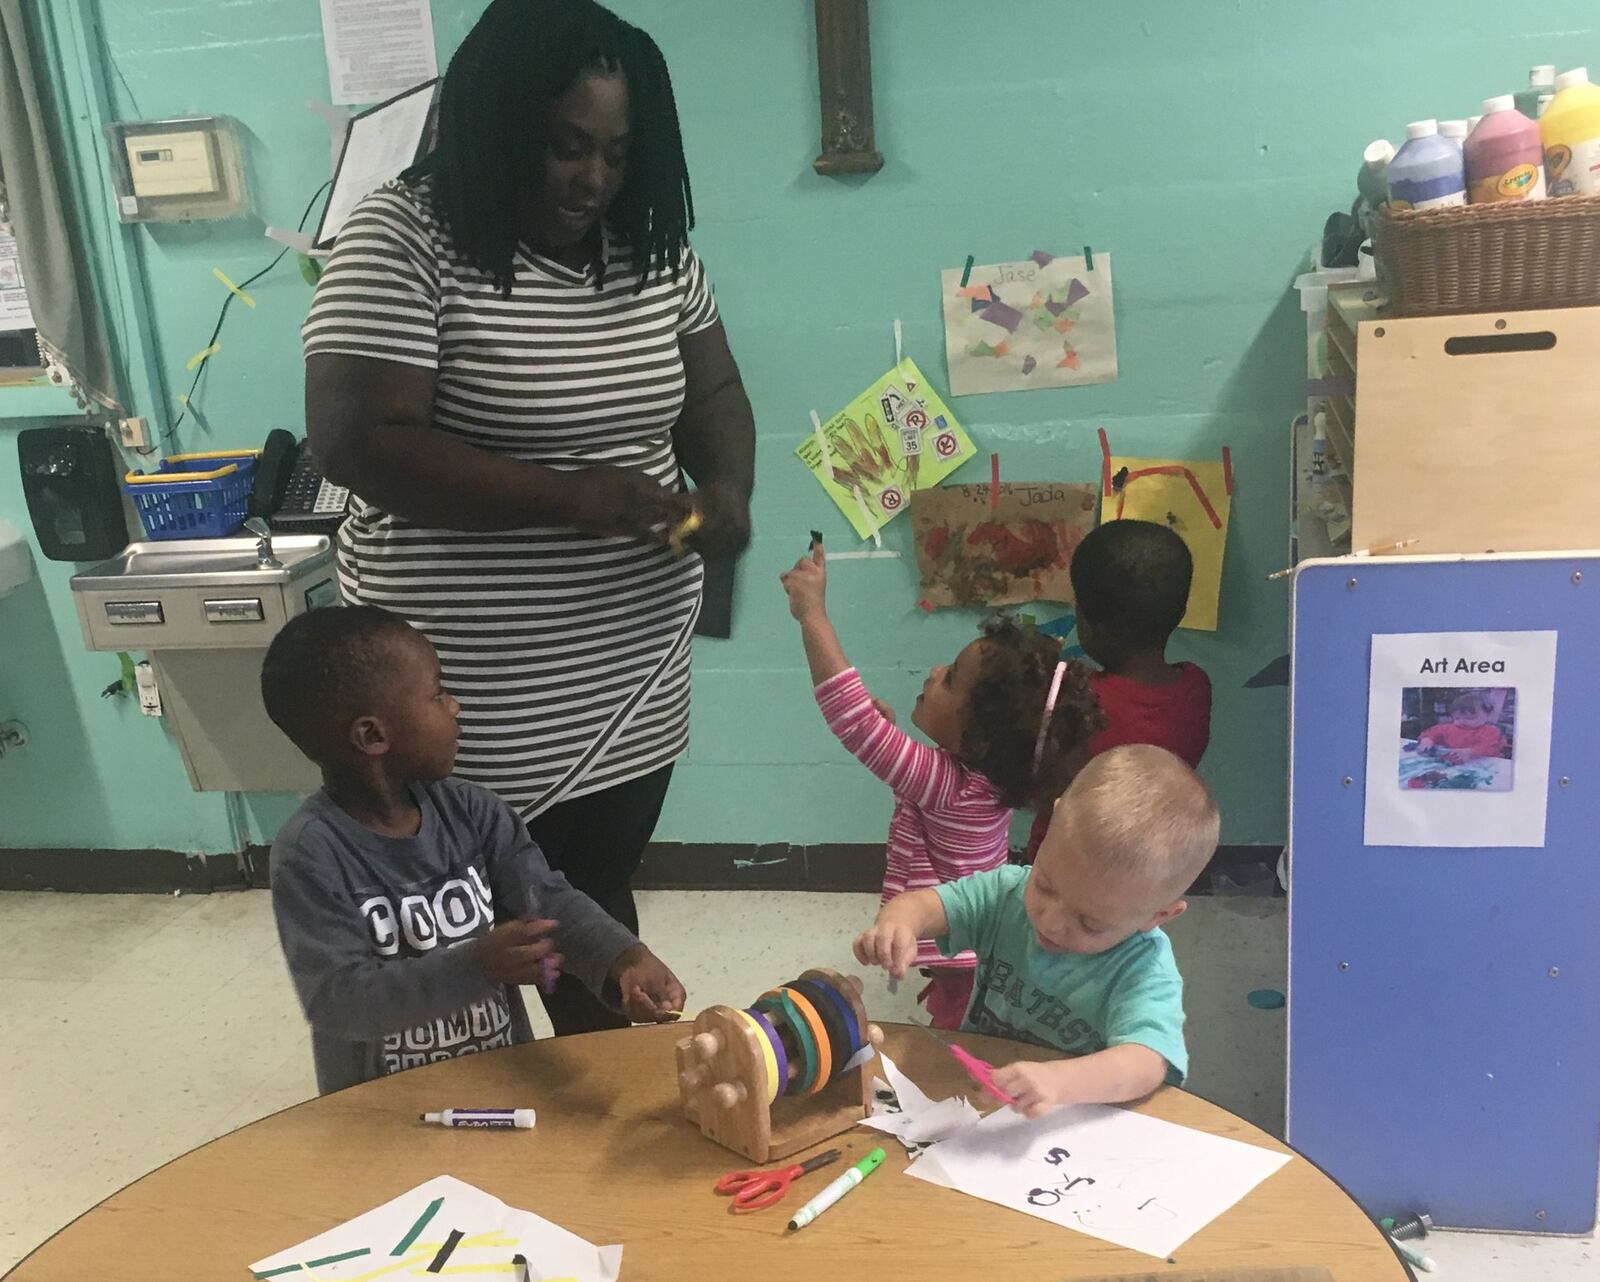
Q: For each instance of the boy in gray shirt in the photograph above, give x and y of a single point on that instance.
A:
(410, 905)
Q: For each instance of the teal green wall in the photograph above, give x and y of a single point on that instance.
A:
(1202, 144)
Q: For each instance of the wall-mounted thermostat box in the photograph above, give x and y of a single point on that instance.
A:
(178, 171)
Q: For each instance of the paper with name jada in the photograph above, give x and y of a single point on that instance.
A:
(1041, 322)
(1115, 1175)
(894, 438)
(976, 547)
(473, 1232)
(1458, 738)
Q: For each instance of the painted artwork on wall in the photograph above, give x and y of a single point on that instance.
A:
(980, 546)
(891, 440)
(1191, 496)
(1042, 322)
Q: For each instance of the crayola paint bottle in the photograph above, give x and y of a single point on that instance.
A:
(1541, 84)
(1427, 172)
(1454, 130)
(1570, 128)
(1505, 160)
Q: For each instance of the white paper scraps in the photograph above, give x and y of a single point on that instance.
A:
(914, 1119)
(1119, 1176)
(472, 1232)
(377, 48)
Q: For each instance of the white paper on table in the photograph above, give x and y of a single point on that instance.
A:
(1414, 799)
(14, 312)
(379, 145)
(494, 1233)
(1119, 1176)
(377, 48)
(1046, 321)
(918, 1121)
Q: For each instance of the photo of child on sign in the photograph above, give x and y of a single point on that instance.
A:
(1459, 738)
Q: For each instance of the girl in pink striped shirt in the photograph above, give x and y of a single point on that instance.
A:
(1005, 719)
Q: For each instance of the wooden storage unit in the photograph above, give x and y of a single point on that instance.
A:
(1476, 433)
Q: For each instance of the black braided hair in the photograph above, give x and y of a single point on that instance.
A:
(487, 165)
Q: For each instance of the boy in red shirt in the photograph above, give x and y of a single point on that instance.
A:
(1131, 580)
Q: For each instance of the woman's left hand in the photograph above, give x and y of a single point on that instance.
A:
(651, 993)
(724, 520)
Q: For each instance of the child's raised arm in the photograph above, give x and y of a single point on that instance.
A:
(807, 586)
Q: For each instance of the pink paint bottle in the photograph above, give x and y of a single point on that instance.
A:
(1504, 155)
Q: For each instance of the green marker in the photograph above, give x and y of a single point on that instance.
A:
(823, 1200)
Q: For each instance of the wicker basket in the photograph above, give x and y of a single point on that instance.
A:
(1510, 256)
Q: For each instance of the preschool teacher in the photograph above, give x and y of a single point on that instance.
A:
(511, 354)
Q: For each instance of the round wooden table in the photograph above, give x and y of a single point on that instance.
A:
(613, 1160)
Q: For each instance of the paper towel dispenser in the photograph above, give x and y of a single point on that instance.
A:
(69, 479)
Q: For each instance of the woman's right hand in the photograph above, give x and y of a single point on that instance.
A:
(623, 501)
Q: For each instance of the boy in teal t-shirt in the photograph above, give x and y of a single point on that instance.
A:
(1070, 952)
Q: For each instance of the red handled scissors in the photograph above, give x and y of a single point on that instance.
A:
(756, 1190)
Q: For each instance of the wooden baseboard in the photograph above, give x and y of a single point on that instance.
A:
(667, 865)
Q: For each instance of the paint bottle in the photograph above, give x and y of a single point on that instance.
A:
(1427, 172)
(1454, 130)
(1504, 157)
(1570, 128)
(1541, 84)
(1319, 450)
(1372, 181)
(1472, 123)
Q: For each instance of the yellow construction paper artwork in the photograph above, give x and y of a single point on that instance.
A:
(896, 437)
(1190, 496)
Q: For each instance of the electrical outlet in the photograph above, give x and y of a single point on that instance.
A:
(134, 433)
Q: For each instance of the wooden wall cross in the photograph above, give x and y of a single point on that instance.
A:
(844, 75)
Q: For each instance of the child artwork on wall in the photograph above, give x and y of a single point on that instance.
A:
(977, 546)
(1042, 322)
(1191, 496)
(891, 440)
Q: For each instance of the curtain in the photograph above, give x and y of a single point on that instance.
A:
(72, 332)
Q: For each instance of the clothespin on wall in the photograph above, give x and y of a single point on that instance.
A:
(966, 272)
(899, 354)
(994, 483)
(1088, 257)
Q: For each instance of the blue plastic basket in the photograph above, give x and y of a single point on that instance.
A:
(194, 496)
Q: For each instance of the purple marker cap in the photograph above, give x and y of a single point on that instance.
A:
(548, 974)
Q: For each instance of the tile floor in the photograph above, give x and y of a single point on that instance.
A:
(157, 1023)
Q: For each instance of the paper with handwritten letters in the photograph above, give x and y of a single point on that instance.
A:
(1116, 1175)
(1045, 321)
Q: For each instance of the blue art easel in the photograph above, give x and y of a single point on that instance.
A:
(1444, 1003)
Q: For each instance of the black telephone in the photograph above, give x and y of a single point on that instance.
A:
(291, 493)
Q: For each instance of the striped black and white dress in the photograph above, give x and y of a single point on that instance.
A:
(569, 652)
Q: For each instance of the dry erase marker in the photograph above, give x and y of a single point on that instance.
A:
(548, 975)
(823, 1200)
(520, 1119)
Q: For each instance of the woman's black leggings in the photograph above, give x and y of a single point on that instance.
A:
(597, 841)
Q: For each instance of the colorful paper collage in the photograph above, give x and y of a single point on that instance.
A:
(445, 1226)
(974, 549)
(1193, 498)
(892, 440)
(1041, 322)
